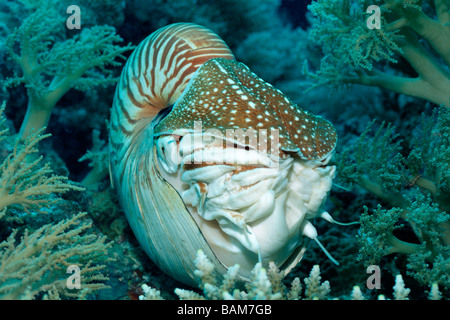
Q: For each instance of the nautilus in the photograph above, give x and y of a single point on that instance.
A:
(206, 155)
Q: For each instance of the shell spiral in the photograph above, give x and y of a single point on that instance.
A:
(153, 78)
(252, 204)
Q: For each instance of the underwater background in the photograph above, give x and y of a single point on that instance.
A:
(386, 91)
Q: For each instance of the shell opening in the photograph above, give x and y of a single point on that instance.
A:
(250, 206)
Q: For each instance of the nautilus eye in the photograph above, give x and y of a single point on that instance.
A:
(207, 155)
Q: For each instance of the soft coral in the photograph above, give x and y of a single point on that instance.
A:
(356, 54)
(51, 64)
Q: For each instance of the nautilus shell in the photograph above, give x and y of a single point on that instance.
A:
(207, 155)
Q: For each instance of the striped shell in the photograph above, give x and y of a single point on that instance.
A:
(206, 155)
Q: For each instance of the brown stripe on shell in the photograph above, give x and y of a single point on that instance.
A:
(155, 76)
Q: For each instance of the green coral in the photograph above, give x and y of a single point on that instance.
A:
(429, 159)
(23, 181)
(428, 262)
(41, 233)
(415, 185)
(98, 158)
(407, 171)
(354, 53)
(51, 65)
(374, 157)
(37, 263)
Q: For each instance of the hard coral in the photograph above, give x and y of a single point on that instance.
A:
(267, 285)
(264, 285)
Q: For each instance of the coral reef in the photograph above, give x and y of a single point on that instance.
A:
(355, 53)
(268, 285)
(407, 170)
(47, 237)
(51, 68)
(39, 262)
(381, 88)
(264, 285)
(23, 181)
(414, 180)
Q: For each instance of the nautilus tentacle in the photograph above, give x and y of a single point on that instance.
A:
(206, 155)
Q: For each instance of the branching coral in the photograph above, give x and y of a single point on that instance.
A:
(268, 285)
(400, 292)
(99, 159)
(39, 262)
(51, 65)
(315, 290)
(23, 181)
(264, 285)
(418, 31)
(410, 174)
(376, 161)
(416, 185)
(429, 260)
